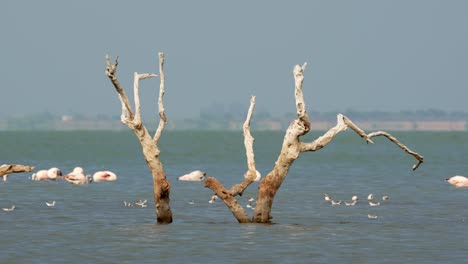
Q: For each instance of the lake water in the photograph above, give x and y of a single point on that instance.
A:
(424, 221)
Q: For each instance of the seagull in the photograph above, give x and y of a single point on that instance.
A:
(191, 202)
(213, 198)
(249, 206)
(141, 203)
(251, 199)
(326, 197)
(354, 200)
(196, 175)
(374, 204)
(9, 209)
(50, 203)
(126, 204)
(370, 197)
(372, 216)
(5, 177)
(385, 197)
(333, 202)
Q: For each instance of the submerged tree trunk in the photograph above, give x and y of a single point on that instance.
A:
(291, 149)
(149, 144)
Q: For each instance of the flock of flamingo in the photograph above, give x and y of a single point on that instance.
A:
(77, 176)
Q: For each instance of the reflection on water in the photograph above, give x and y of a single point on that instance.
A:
(424, 221)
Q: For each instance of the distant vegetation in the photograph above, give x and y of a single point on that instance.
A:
(216, 117)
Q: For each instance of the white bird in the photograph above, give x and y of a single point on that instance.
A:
(5, 177)
(374, 204)
(9, 209)
(127, 204)
(191, 202)
(101, 176)
(351, 203)
(257, 175)
(333, 202)
(354, 198)
(385, 197)
(196, 175)
(213, 198)
(251, 199)
(50, 203)
(326, 197)
(54, 173)
(77, 176)
(458, 181)
(372, 216)
(250, 206)
(44, 175)
(370, 197)
(141, 203)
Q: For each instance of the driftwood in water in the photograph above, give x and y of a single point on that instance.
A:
(14, 168)
(149, 144)
(6, 169)
(291, 149)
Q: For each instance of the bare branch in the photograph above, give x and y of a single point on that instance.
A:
(238, 189)
(162, 114)
(342, 124)
(136, 94)
(300, 103)
(228, 199)
(322, 141)
(111, 70)
(400, 145)
(14, 168)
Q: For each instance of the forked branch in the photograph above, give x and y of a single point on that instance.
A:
(238, 189)
(344, 123)
(228, 195)
(111, 71)
(162, 115)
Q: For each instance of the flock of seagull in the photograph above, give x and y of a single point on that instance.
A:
(140, 203)
(13, 207)
(354, 200)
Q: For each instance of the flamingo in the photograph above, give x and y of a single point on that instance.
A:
(458, 181)
(102, 176)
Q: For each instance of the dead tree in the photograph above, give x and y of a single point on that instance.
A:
(291, 149)
(149, 144)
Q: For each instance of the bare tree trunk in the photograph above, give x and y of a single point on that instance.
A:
(149, 145)
(14, 168)
(291, 149)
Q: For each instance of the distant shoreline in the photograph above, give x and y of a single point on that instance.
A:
(231, 125)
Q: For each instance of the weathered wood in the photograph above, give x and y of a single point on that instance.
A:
(162, 114)
(161, 186)
(239, 189)
(292, 147)
(228, 199)
(14, 168)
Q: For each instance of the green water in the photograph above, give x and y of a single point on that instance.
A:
(424, 221)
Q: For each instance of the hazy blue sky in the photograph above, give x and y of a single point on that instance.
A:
(361, 55)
